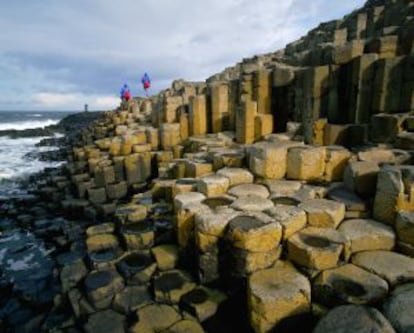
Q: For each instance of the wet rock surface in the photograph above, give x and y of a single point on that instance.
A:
(349, 284)
(352, 318)
(398, 308)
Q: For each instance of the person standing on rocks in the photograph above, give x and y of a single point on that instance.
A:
(146, 83)
(125, 93)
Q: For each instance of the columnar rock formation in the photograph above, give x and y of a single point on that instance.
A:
(286, 179)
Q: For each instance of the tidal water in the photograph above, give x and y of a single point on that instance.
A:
(16, 155)
(27, 282)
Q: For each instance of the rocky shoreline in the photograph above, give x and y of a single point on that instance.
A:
(277, 196)
(67, 126)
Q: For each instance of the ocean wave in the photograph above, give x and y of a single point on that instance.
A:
(14, 164)
(22, 125)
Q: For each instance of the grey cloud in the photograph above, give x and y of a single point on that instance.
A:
(92, 47)
(201, 38)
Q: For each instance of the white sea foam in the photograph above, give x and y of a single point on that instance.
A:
(22, 264)
(10, 238)
(13, 163)
(3, 253)
(27, 124)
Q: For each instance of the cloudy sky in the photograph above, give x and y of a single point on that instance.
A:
(59, 55)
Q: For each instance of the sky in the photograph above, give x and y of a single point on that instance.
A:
(60, 55)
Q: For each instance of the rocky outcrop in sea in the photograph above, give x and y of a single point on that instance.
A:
(70, 124)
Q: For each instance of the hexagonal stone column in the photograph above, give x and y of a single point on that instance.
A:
(306, 163)
(390, 193)
(98, 229)
(268, 160)
(349, 284)
(354, 319)
(282, 188)
(166, 256)
(253, 243)
(276, 293)
(131, 299)
(101, 242)
(254, 232)
(101, 286)
(366, 234)
(291, 218)
(391, 266)
(317, 248)
(210, 229)
(252, 203)
(323, 213)
(361, 177)
(336, 160)
(354, 205)
(219, 202)
(183, 199)
(139, 235)
(202, 302)
(170, 285)
(249, 190)
(236, 176)
(399, 308)
(137, 267)
(213, 185)
(155, 318)
(130, 213)
(184, 226)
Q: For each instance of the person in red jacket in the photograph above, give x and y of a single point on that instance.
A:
(124, 92)
(127, 95)
(146, 82)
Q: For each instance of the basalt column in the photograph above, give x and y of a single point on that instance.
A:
(315, 97)
(245, 121)
(407, 87)
(262, 94)
(234, 101)
(262, 90)
(282, 97)
(198, 115)
(361, 88)
(169, 108)
(219, 107)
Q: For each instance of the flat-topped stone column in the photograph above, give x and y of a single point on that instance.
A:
(198, 115)
(276, 293)
(219, 107)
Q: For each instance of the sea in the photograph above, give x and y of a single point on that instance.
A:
(16, 155)
(26, 266)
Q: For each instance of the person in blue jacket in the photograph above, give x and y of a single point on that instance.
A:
(146, 83)
(124, 92)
